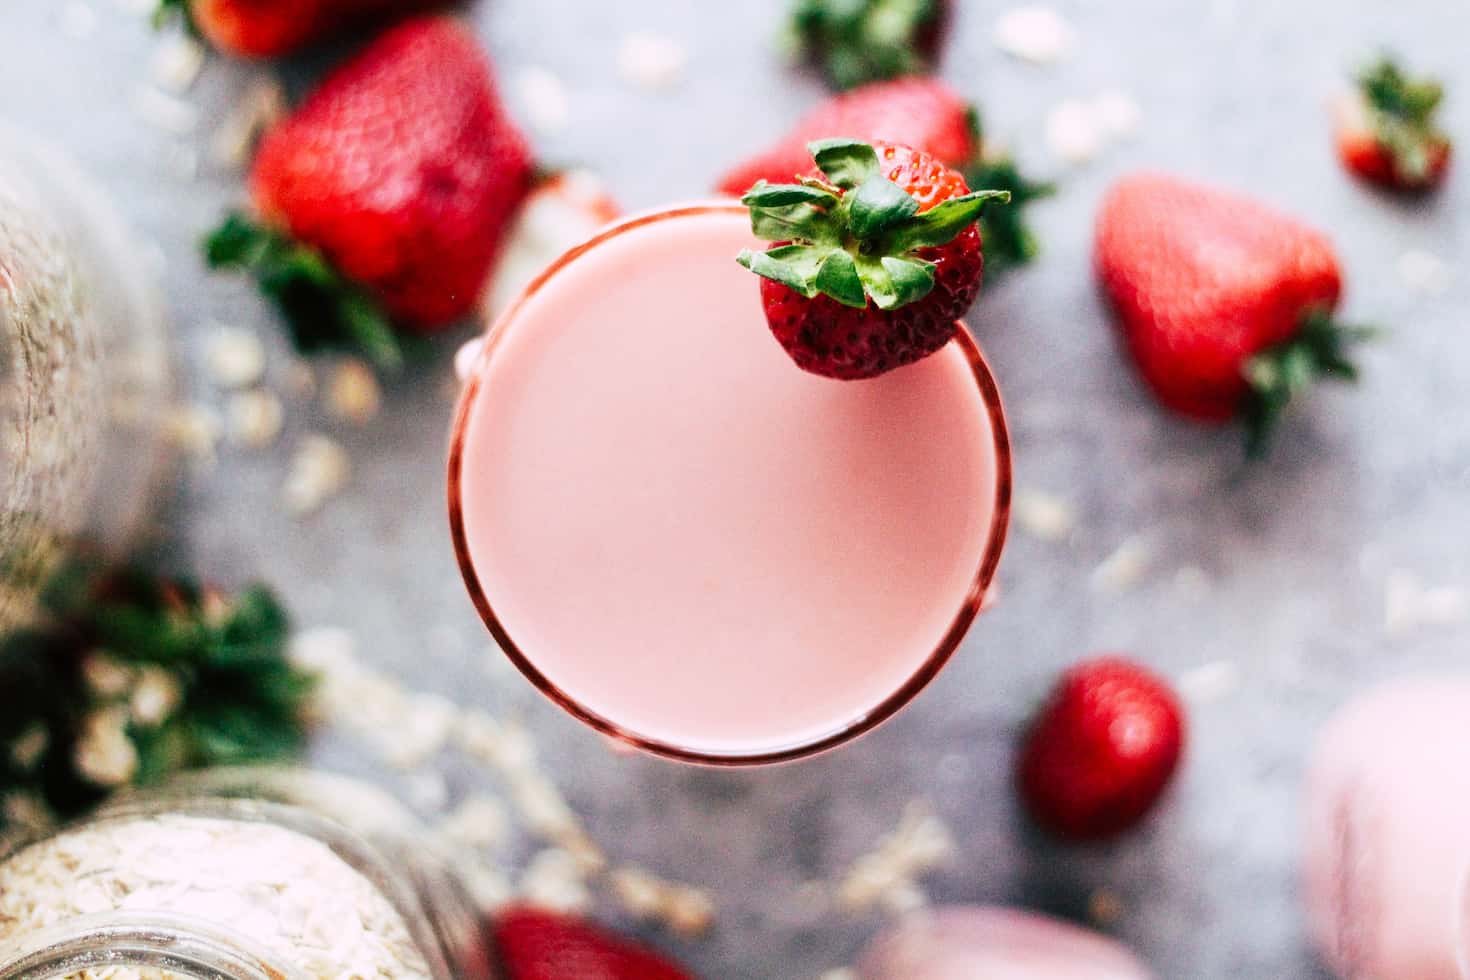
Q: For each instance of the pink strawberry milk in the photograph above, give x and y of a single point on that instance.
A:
(694, 545)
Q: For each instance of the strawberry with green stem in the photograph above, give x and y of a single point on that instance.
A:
(1225, 304)
(924, 113)
(854, 42)
(874, 261)
(383, 199)
(1388, 135)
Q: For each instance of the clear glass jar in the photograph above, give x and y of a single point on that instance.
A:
(255, 874)
(84, 371)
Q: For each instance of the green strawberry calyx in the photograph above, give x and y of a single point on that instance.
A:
(1009, 242)
(1319, 350)
(855, 42)
(168, 11)
(322, 308)
(1401, 116)
(855, 236)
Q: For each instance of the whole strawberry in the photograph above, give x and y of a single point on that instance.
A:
(1101, 751)
(268, 28)
(1387, 134)
(532, 944)
(859, 41)
(926, 114)
(1224, 303)
(386, 194)
(873, 265)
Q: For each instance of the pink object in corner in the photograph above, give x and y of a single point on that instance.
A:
(986, 943)
(1387, 850)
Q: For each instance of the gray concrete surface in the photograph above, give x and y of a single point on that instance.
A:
(1295, 553)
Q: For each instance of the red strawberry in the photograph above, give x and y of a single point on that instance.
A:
(924, 113)
(538, 945)
(859, 41)
(267, 28)
(1224, 303)
(928, 115)
(1387, 133)
(400, 175)
(1102, 750)
(872, 266)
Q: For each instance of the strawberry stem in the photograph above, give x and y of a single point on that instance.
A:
(1401, 114)
(1319, 350)
(856, 238)
(858, 41)
(322, 309)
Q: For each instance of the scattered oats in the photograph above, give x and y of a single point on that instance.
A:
(156, 695)
(1409, 605)
(259, 107)
(428, 790)
(27, 750)
(542, 806)
(1118, 114)
(1210, 682)
(488, 889)
(1035, 33)
(1105, 907)
(233, 356)
(545, 99)
(177, 62)
(1074, 133)
(78, 20)
(479, 822)
(164, 111)
(1424, 272)
(353, 394)
(651, 61)
(319, 470)
(904, 897)
(324, 650)
(255, 418)
(105, 677)
(888, 874)
(690, 911)
(841, 973)
(641, 894)
(468, 354)
(554, 880)
(422, 730)
(1044, 516)
(104, 754)
(196, 430)
(1125, 567)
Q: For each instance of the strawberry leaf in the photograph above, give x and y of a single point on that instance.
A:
(838, 278)
(793, 266)
(322, 309)
(878, 205)
(893, 282)
(847, 163)
(1320, 349)
(941, 223)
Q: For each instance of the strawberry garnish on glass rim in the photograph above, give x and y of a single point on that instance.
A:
(873, 261)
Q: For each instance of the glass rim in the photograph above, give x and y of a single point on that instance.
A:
(872, 718)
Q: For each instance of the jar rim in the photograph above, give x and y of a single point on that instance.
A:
(177, 944)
